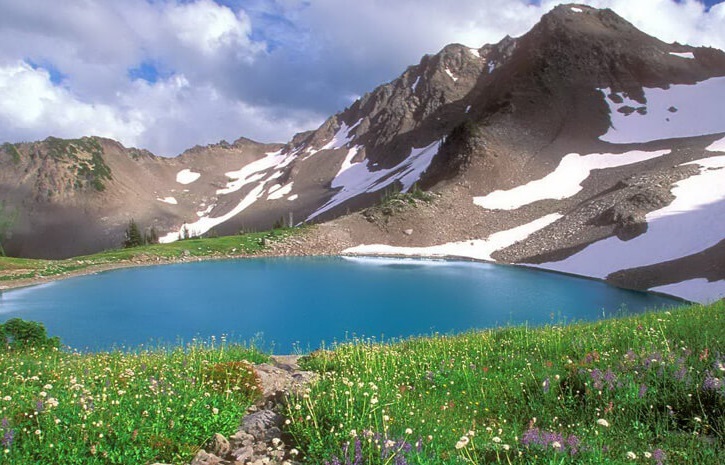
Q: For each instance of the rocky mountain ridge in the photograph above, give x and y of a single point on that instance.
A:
(583, 131)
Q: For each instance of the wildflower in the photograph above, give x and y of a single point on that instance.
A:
(463, 442)
(7, 439)
(408, 431)
(496, 439)
(647, 455)
(711, 383)
(7, 398)
(603, 422)
(631, 455)
(294, 452)
(506, 447)
(215, 411)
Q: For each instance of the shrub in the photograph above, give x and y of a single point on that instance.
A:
(19, 334)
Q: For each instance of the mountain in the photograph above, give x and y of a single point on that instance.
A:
(584, 146)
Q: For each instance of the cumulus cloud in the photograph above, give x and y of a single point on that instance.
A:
(29, 101)
(262, 69)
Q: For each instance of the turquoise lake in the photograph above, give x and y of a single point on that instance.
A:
(294, 304)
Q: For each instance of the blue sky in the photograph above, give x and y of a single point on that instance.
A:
(168, 74)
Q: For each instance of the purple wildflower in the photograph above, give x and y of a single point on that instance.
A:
(5, 423)
(630, 356)
(652, 359)
(572, 442)
(530, 437)
(358, 452)
(597, 381)
(7, 439)
(546, 385)
(711, 383)
(659, 456)
(544, 439)
(39, 406)
(642, 390)
(681, 374)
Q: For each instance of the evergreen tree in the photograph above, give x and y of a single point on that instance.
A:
(151, 237)
(133, 236)
(7, 219)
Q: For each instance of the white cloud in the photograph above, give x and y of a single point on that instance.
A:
(263, 71)
(29, 101)
(206, 26)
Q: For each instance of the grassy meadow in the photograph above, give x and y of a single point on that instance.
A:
(60, 407)
(648, 389)
(244, 244)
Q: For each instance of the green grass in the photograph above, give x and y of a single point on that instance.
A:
(161, 404)
(650, 386)
(647, 389)
(246, 244)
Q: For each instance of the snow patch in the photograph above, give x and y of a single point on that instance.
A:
(576, 10)
(695, 290)
(448, 72)
(204, 224)
(491, 66)
(292, 197)
(475, 52)
(564, 182)
(390, 261)
(169, 200)
(680, 111)
(358, 178)
(479, 249)
(415, 84)
(280, 192)
(688, 55)
(187, 176)
(205, 211)
(468, 108)
(717, 146)
(347, 162)
(252, 172)
(255, 172)
(690, 224)
(341, 137)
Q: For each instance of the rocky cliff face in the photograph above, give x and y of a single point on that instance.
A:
(581, 139)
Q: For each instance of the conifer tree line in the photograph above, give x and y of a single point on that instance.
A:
(134, 238)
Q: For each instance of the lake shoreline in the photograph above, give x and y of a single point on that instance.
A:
(101, 268)
(95, 269)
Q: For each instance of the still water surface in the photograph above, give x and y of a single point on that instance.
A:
(297, 303)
